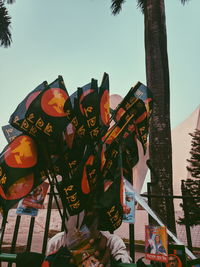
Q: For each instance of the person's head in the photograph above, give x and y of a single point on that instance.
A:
(157, 239)
(173, 261)
(129, 198)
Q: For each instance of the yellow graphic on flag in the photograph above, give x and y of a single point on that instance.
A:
(57, 102)
(22, 150)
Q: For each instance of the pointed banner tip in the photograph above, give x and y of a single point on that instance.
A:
(45, 83)
(60, 77)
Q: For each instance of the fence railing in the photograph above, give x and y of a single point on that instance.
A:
(12, 246)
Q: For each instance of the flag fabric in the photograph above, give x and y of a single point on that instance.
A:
(47, 109)
(10, 132)
(111, 161)
(104, 104)
(109, 204)
(75, 155)
(88, 104)
(130, 155)
(77, 190)
(126, 103)
(42, 113)
(17, 160)
(21, 188)
(137, 103)
(19, 118)
(80, 126)
(72, 136)
(21, 169)
(109, 197)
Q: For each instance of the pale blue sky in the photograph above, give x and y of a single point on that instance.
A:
(80, 40)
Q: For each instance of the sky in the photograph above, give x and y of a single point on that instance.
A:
(81, 40)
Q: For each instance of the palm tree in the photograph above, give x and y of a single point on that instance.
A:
(157, 73)
(5, 34)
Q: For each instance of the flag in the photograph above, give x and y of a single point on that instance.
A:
(136, 107)
(19, 189)
(104, 104)
(19, 118)
(130, 155)
(80, 125)
(41, 113)
(85, 117)
(47, 109)
(77, 190)
(75, 155)
(88, 104)
(21, 167)
(72, 109)
(126, 103)
(112, 154)
(17, 160)
(134, 119)
(109, 204)
(136, 93)
(146, 96)
(10, 132)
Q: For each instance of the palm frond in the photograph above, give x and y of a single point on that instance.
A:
(184, 1)
(9, 1)
(116, 6)
(141, 4)
(5, 34)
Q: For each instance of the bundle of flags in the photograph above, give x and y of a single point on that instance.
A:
(78, 137)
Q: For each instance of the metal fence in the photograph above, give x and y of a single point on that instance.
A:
(38, 241)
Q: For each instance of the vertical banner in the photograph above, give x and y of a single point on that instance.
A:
(156, 243)
(128, 203)
(129, 207)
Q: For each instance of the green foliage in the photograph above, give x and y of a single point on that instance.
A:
(5, 34)
(194, 167)
(116, 5)
(191, 187)
(184, 1)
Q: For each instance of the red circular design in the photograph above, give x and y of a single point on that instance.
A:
(84, 94)
(21, 153)
(19, 189)
(104, 108)
(53, 101)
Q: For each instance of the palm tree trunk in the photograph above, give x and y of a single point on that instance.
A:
(157, 72)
